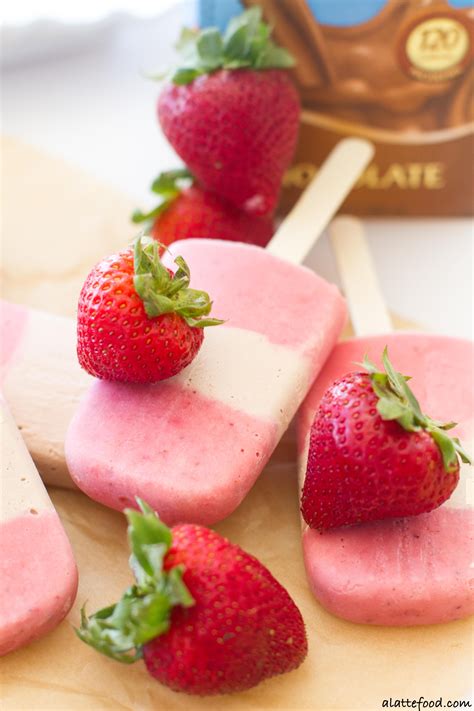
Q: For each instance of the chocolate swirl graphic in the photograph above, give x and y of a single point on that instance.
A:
(355, 73)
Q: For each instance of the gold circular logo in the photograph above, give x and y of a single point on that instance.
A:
(436, 48)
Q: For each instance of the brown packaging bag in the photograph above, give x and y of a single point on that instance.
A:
(403, 79)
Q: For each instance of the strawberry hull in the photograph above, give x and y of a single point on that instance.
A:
(414, 570)
(206, 617)
(194, 445)
(256, 631)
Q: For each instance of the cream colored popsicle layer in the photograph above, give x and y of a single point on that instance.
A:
(42, 382)
(194, 445)
(37, 568)
(416, 570)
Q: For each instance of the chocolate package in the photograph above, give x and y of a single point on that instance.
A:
(398, 72)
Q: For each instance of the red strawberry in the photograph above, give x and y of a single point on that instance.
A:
(373, 454)
(190, 211)
(138, 322)
(232, 114)
(206, 617)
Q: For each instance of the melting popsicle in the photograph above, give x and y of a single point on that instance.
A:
(37, 568)
(409, 571)
(194, 445)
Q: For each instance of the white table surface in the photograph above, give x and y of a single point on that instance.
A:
(94, 108)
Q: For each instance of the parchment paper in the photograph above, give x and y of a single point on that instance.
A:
(56, 223)
(348, 667)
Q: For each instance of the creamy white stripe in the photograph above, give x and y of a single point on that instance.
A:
(244, 370)
(22, 490)
(44, 382)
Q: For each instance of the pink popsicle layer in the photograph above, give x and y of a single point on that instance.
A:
(13, 319)
(39, 577)
(255, 291)
(411, 571)
(194, 445)
(191, 457)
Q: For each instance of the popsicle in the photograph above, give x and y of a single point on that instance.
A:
(416, 570)
(42, 382)
(37, 568)
(194, 445)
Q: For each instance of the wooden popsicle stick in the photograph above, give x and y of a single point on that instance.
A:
(369, 314)
(321, 199)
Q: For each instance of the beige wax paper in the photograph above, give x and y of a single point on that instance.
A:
(57, 222)
(349, 666)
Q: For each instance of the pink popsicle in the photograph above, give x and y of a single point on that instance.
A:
(412, 571)
(194, 445)
(37, 568)
(416, 570)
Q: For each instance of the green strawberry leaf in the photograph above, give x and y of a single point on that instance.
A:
(203, 322)
(390, 409)
(144, 611)
(465, 456)
(273, 56)
(185, 75)
(168, 186)
(171, 181)
(238, 64)
(250, 20)
(186, 42)
(148, 535)
(164, 293)
(399, 385)
(246, 43)
(368, 365)
(139, 217)
(396, 401)
(259, 41)
(446, 447)
(210, 47)
(238, 44)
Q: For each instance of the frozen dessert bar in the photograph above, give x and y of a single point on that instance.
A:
(37, 568)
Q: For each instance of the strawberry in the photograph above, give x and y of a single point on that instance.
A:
(206, 617)
(373, 454)
(138, 322)
(231, 113)
(187, 210)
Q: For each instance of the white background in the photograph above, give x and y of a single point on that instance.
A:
(86, 99)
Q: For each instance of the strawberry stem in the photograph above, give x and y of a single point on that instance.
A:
(119, 631)
(162, 292)
(245, 44)
(167, 186)
(396, 401)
